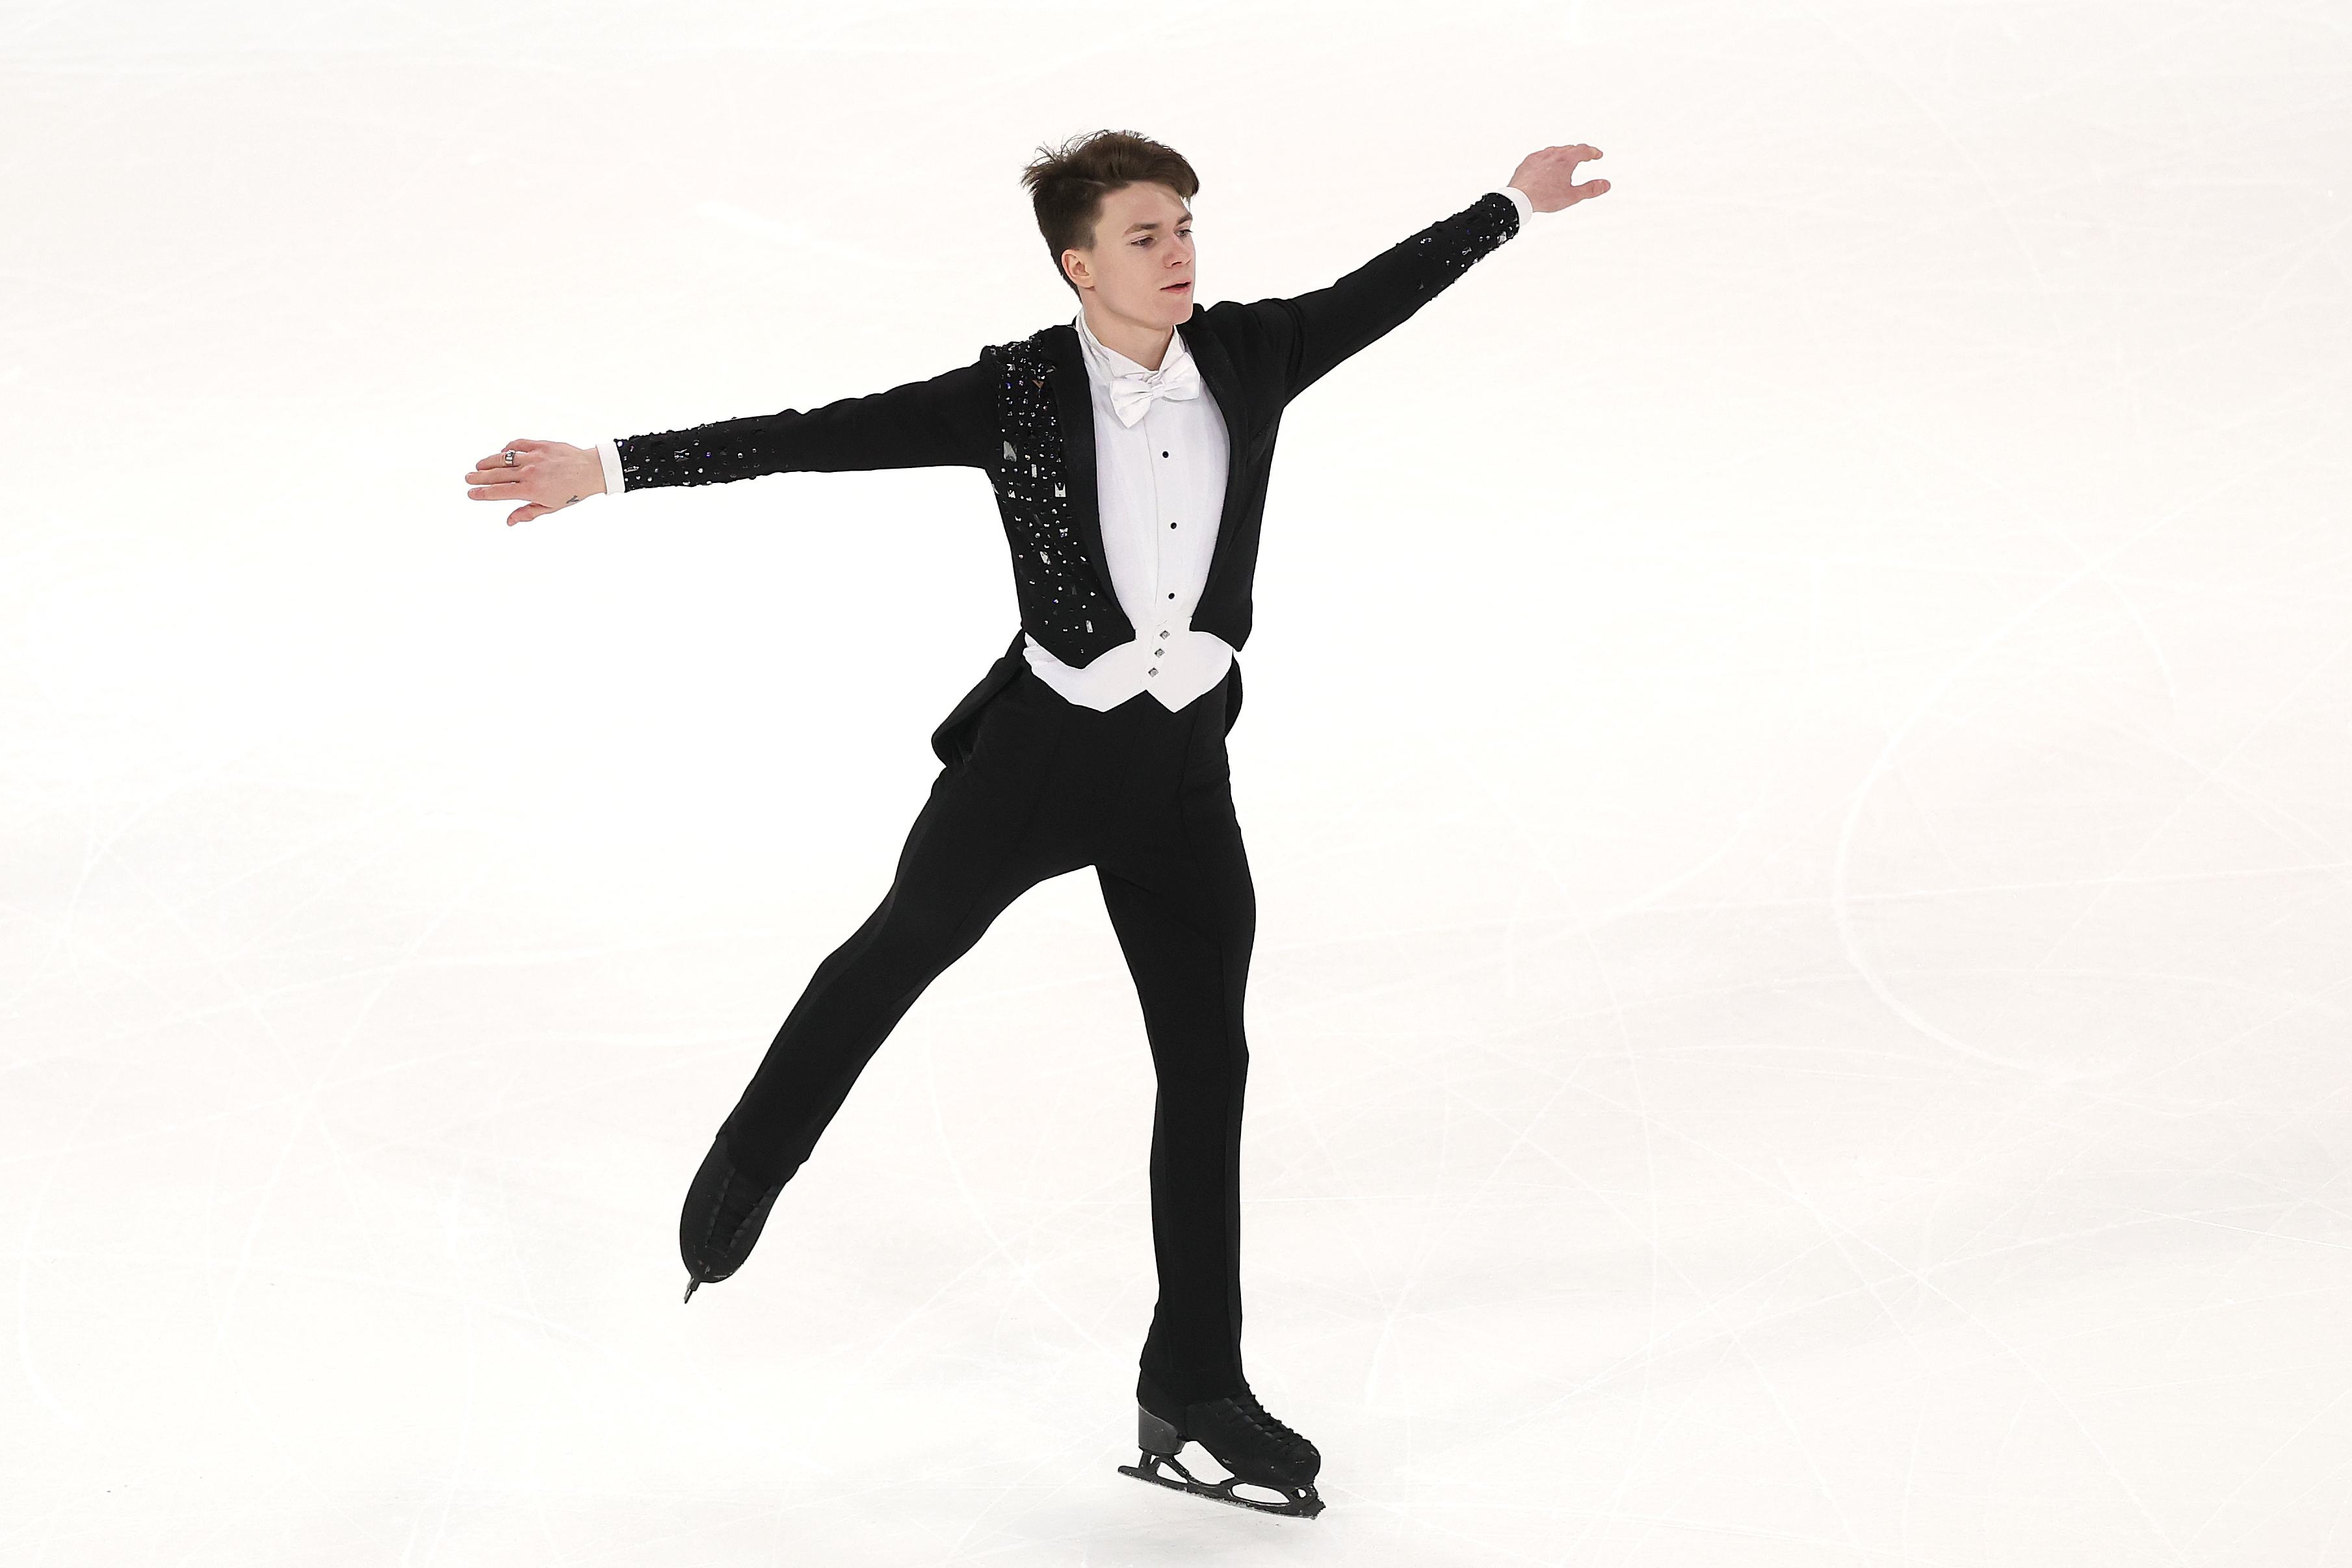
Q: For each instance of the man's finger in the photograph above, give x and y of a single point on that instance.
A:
(498, 459)
(499, 492)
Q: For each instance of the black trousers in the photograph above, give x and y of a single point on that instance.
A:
(1144, 796)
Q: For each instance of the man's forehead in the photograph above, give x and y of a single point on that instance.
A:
(1152, 199)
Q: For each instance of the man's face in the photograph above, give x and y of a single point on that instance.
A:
(1143, 244)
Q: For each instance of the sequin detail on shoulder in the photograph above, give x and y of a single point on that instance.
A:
(1063, 603)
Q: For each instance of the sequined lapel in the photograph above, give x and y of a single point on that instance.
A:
(1066, 602)
(1073, 399)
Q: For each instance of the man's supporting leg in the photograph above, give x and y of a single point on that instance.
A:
(1186, 914)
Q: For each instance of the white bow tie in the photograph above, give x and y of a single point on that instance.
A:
(1131, 392)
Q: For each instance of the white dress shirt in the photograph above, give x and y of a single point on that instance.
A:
(1161, 484)
(1160, 488)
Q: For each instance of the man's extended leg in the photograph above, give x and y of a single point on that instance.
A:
(992, 829)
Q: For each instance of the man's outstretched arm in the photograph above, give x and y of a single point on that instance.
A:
(1318, 331)
(944, 421)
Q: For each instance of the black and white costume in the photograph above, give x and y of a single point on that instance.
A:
(1131, 501)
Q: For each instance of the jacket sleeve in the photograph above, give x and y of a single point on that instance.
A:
(945, 421)
(1313, 332)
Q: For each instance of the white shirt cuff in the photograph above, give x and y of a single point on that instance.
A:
(1519, 200)
(609, 453)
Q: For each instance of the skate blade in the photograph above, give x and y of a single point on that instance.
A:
(1301, 1505)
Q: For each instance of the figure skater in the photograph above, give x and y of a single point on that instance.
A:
(1128, 450)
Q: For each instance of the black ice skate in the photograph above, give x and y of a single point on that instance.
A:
(1239, 1434)
(724, 1211)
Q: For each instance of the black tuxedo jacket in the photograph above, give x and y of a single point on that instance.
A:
(1023, 413)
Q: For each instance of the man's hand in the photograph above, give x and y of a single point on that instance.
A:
(1547, 178)
(547, 475)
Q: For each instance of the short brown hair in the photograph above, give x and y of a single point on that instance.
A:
(1067, 183)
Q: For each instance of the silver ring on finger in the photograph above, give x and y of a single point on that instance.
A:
(510, 457)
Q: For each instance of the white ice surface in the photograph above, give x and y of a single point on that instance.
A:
(1801, 1014)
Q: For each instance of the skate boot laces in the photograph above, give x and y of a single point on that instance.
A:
(1258, 1416)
